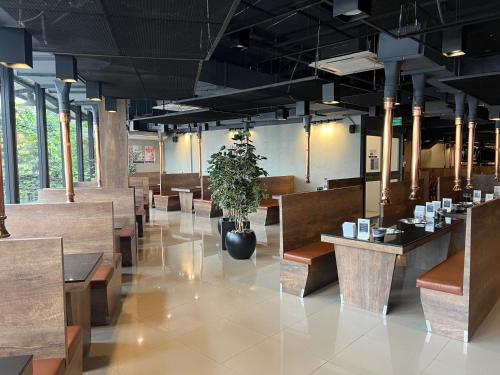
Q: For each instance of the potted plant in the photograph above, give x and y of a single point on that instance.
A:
(234, 181)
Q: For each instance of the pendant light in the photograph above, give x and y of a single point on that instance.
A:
(16, 50)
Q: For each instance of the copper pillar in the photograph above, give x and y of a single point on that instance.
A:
(3, 231)
(199, 157)
(470, 154)
(162, 157)
(497, 150)
(387, 151)
(415, 153)
(97, 151)
(307, 128)
(65, 118)
(458, 154)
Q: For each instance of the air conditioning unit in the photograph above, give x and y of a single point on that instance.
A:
(353, 56)
(156, 127)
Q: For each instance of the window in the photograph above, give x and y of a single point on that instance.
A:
(27, 142)
(86, 158)
(1, 140)
(74, 152)
(54, 143)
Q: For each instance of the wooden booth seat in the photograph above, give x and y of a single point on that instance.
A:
(168, 202)
(205, 208)
(140, 218)
(106, 292)
(49, 366)
(268, 213)
(447, 277)
(308, 268)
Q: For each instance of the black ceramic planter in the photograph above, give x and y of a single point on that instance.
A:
(241, 245)
(225, 225)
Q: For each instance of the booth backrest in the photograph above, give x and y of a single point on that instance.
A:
(278, 185)
(153, 179)
(482, 257)
(401, 206)
(139, 196)
(123, 198)
(85, 184)
(142, 182)
(85, 227)
(32, 305)
(305, 216)
(484, 182)
(170, 180)
(344, 182)
(445, 189)
(206, 193)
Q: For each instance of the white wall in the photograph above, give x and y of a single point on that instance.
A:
(147, 167)
(334, 151)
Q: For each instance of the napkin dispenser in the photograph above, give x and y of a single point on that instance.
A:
(349, 229)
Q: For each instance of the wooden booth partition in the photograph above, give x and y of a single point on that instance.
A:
(344, 182)
(124, 214)
(86, 228)
(445, 189)
(153, 180)
(204, 207)
(484, 182)
(33, 319)
(458, 294)
(307, 263)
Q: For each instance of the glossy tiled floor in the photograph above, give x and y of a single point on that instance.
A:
(190, 309)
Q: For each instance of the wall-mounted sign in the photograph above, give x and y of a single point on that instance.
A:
(476, 196)
(141, 154)
(149, 154)
(397, 121)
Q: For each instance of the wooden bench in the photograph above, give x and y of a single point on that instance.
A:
(206, 208)
(140, 218)
(85, 228)
(268, 210)
(268, 213)
(106, 287)
(143, 183)
(35, 324)
(123, 209)
(169, 200)
(307, 264)
(459, 293)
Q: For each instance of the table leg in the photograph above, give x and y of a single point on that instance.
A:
(365, 277)
(78, 312)
(186, 202)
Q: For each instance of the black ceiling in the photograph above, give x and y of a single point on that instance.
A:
(137, 48)
(485, 87)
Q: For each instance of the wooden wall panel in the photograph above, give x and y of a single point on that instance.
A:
(85, 227)
(401, 206)
(278, 185)
(153, 178)
(482, 258)
(445, 189)
(123, 199)
(305, 216)
(32, 305)
(114, 146)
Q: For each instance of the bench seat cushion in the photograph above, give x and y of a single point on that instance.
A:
(102, 276)
(447, 276)
(311, 253)
(208, 201)
(50, 366)
(269, 203)
(73, 338)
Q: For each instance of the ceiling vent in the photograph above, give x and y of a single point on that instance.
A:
(349, 64)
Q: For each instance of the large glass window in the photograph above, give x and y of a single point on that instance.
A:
(74, 154)
(86, 159)
(54, 143)
(27, 143)
(1, 140)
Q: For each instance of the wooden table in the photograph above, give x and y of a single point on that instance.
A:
(16, 365)
(78, 272)
(186, 195)
(366, 268)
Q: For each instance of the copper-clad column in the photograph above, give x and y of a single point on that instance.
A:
(391, 75)
(418, 101)
(97, 145)
(307, 129)
(459, 114)
(63, 89)
(470, 146)
(162, 157)
(198, 135)
(497, 150)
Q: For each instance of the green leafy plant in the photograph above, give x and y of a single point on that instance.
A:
(234, 179)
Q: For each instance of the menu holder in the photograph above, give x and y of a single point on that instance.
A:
(419, 212)
(496, 191)
(447, 204)
(349, 229)
(429, 210)
(364, 229)
(489, 197)
(430, 225)
(476, 196)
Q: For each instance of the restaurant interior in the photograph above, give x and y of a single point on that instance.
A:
(249, 187)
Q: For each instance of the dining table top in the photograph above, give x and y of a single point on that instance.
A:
(79, 269)
(16, 365)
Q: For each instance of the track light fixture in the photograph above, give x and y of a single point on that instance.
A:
(110, 104)
(94, 91)
(453, 45)
(331, 93)
(351, 10)
(282, 113)
(66, 69)
(16, 50)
